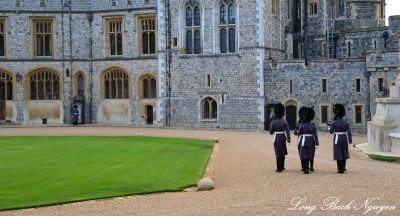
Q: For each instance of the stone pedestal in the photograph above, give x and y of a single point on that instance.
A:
(385, 121)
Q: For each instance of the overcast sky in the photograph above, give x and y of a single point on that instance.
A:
(392, 8)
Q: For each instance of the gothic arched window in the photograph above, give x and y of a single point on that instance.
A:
(149, 86)
(45, 85)
(192, 27)
(116, 84)
(227, 26)
(209, 108)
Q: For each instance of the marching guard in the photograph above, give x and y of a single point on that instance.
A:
(308, 138)
(342, 138)
(280, 129)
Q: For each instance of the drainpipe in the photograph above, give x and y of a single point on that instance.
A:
(90, 18)
(306, 32)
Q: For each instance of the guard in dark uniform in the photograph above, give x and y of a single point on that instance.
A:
(302, 113)
(280, 129)
(76, 115)
(309, 141)
(342, 138)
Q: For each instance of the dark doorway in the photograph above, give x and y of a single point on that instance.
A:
(268, 115)
(291, 116)
(2, 101)
(149, 114)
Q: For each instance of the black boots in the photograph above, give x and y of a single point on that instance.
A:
(341, 165)
(280, 164)
(312, 165)
(305, 164)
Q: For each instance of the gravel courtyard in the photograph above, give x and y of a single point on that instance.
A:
(243, 169)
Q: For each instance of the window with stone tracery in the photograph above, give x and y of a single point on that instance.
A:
(227, 26)
(116, 84)
(6, 86)
(149, 86)
(44, 85)
(43, 37)
(209, 109)
(193, 27)
(148, 35)
(114, 40)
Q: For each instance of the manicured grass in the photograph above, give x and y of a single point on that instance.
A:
(384, 158)
(39, 171)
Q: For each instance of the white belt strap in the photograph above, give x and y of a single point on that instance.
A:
(303, 137)
(277, 132)
(341, 133)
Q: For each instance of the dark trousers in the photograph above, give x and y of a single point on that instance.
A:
(312, 163)
(341, 165)
(280, 163)
(304, 165)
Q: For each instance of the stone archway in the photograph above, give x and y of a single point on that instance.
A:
(291, 113)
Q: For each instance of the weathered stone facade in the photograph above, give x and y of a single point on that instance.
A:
(244, 84)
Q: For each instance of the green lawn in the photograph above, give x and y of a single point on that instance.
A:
(38, 171)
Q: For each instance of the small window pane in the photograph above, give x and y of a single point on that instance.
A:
(231, 14)
(197, 48)
(153, 88)
(206, 110)
(146, 93)
(358, 114)
(214, 109)
(145, 43)
(107, 89)
(223, 15)
(152, 43)
(189, 16)
(223, 41)
(9, 90)
(197, 16)
(119, 38)
(231, 40)
(189, 47)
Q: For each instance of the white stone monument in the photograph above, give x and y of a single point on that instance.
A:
(384, 129)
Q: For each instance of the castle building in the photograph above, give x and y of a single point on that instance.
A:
(193, 63)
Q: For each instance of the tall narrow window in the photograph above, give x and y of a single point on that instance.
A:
(2, 37)
(193, 22)
(348, 49)
(149, 87)
(114, 34)
(301, 50)
(339, 8)
(45, 85)
(148, 35)
(43, 37)
(290, 86)
(324, 86)
(6, 86)
(227, 26)
(289, 9)
(358, 114)
(209, 108)
(116, 84)
(324, 114)
(382, 10)
(81, 85)
(380, 84)
(208, 80)
(275, 7)
(358, 85)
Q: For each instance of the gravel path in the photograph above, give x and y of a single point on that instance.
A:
(243, 168)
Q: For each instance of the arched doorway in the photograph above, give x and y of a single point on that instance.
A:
(149, 114)
(291, 114)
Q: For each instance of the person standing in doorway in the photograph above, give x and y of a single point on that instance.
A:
(76, 115)
(280, 129)
(342, 138)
